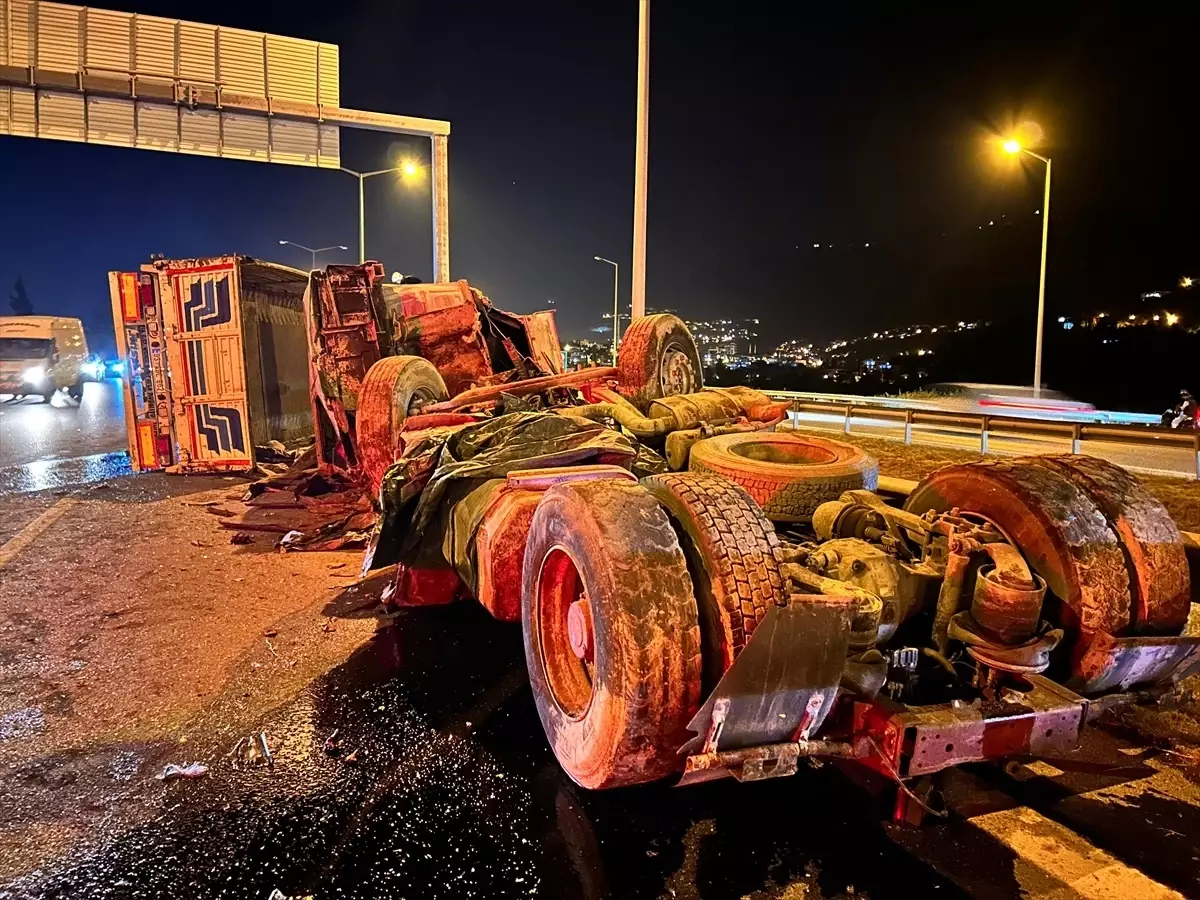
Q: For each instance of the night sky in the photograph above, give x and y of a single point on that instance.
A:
(769, 133)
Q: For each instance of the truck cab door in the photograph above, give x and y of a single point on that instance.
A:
(141, 345)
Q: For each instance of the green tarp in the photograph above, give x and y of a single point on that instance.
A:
(433, 499)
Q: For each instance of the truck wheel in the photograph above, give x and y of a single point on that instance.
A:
(788, 475)
(612, 641)
(1155, 557)
(731, 550)
(75, 392)
(395, 388)
(1056, 526)
(658, 358)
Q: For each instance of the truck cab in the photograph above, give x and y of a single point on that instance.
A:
(40, 355)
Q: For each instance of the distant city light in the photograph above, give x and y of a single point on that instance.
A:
(1172, 318)
(816, 245)
(1185, 282)
(1062, 318)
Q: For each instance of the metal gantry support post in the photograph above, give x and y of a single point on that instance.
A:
(441, 207)
(362, 220)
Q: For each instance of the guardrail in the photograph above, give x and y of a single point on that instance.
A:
(1185, 459)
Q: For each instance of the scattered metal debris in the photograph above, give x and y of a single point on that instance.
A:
(333, 744)
(252, 751)
(241, 537)
(191, 771)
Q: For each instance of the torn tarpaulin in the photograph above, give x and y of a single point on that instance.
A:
(415, 489)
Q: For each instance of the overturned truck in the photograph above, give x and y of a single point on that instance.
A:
(703, 596)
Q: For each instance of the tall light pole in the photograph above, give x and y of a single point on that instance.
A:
(1014, 147)
(408, 168)
(616, 304)
(312, 250)
(641, 162)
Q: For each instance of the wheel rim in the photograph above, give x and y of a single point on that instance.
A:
(419, 399)
(677, 375)
(563, 620)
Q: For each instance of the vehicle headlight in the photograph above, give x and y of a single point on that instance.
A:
(34, 374)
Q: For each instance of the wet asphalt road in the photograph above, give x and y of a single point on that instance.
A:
(455, 794)
(55, 444)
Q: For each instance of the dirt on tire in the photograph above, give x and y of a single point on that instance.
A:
(658, 358)
(388, 390)
(732, 552)
(621, 719)
(788, 475)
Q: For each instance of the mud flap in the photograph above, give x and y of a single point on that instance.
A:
(775, 695)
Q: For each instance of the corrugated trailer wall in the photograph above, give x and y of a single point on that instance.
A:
(276, 350)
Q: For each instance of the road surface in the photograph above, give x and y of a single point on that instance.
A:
(45, 445)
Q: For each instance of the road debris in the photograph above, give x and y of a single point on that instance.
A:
(333, 744)
(241, 537)
(252, 751)
(191, 771)
(219, 511)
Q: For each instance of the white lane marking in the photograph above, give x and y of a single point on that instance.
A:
(30, 533)
(1051, 857)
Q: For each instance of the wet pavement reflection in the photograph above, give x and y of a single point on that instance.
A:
(31, 430)
(444, 786)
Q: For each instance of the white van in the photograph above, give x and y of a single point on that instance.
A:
(41, 355)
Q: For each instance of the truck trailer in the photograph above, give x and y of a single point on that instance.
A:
(216, 361)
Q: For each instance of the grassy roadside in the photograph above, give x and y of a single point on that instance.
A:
(1180, 496)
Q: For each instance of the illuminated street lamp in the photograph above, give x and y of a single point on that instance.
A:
(616, 306)
(312, 250)
(407, 169)
(1013, 147)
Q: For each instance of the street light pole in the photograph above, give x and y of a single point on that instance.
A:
(1041, 316)
(616, 304)
(407, 168)
(1014, 147)
(641, 163)
(313, 251)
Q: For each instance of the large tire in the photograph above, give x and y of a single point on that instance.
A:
(788, 475)
(615, 713)
(1055, 524)
(732, 553)
(658, 358)
(393, 388)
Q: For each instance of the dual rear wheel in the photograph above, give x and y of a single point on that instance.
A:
(635, 600)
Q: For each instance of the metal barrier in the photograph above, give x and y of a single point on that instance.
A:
(1075, 433)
